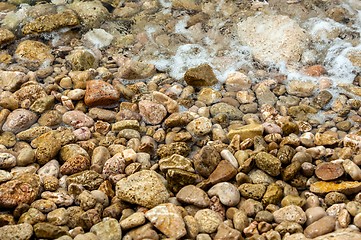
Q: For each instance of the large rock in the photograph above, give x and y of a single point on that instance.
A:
(19, 120)
(23, 189)
(273, 38)
(16, 232)
(144, 188)
(345, 187)
(33, 54)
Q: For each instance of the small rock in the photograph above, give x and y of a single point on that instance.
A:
(167, 219)
(132, 70)
(89, 179)
(100, 93)
(98, 37)
(208, 220)
(206, 160)
(232, 112)
(144, 188)
(200, 76)
(273, 194)
(237, 81)
(33, 54)
(193, 195)
(74, 165)
(80, 60)
(6, 36)
(320, 227)
(227, 193)
(7, 160)
(178, 119)
(11, 80)
(176, 161)
(19, 120)
(254, 191)
(92, 14)
(200, 126)
(268, 163)
(5, 176)
(23, 189)
(293, 200)
(300, 88)
(247, 131)
(152, 113)
(290, 213)
(314, 213)
(167, 150)
(226, 232)
(329, 171)
(77, 119)
(352, 169)
(224, 171)
(47, 147)
(240, 220)
(48, 230)
(58, 217)
(134, 220)
(108, 229)
(16, 232)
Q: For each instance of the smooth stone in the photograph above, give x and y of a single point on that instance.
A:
(313, 214)
(320, 227)
(227, 155)
(357, 220)
(134, 220)
(329, 171)
(293, 200)
(290, 213)
(51, 168)
(240, 220)
(193, 195)
(223, 172)
(208, 220)
(144, 188)
(167, 218)
(77, 119)
(16, 232)
(227, 193)
(58, 217)
(352, 169)
(108, 229)
(19, 120)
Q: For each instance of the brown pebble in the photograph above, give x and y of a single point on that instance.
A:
(329, 171)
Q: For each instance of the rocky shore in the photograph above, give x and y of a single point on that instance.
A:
(180, 120)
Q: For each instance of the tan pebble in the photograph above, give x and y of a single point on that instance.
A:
(208, 220)
(313, 214)
(320, 227)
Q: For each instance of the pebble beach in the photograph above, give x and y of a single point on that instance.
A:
(171, 119)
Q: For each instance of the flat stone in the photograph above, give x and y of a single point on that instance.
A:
(345, 187)
(144, 188)
(247, 131)
(200, 76)
(89, 179)
(178, 119)
(193, 195)
(100, 93)
(132, 70)
(167, 219)
(301, 88)
(329, 171)
(176, 161)
(51, 22)
(48, 230)
(23, 189)
(224, 171)
(16, 232)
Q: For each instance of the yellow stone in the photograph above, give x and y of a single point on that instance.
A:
(247, 131)
(345, 187)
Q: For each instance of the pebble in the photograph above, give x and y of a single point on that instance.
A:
(206, 160)
(320, 227)
(237, 81)
(200, 126)
(290, 213)
(77, 119)
(200, 76)
(152, 113)
(345, 187)
(227, 193)
(352, 169)
(208, 220)
(240, 220)
(58, 217)
(23, 189)
(16, 232)
(227, 155)
(144, 188)
(232, 112)
(33, 54)
(5, 176)
(168, 219)
(273, 194)
(32, 216)
(7, 161)
(100, 93)
(268, 163)
(108, 229)
(254, 191)
(134, 220)
(19, 120)
(313, 214)
(193, 195)
(226, 232)
(48, 230)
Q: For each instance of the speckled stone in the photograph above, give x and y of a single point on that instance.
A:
(228, 193)
(290, 213)
(48, 230)
(268, 163)
(108, 229)
(193, 195)
(200, 126)
(345, 187)
(144, 188)
(208, 220)
(77, 119)
(23, 189)
(152, 113)
(329, 171)
(19, 120)
(33, 54)
(90, 179)
(254, 191)
(168, 219)
(100, 93)
(16, 232)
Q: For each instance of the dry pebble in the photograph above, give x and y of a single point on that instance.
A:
(208, 220)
